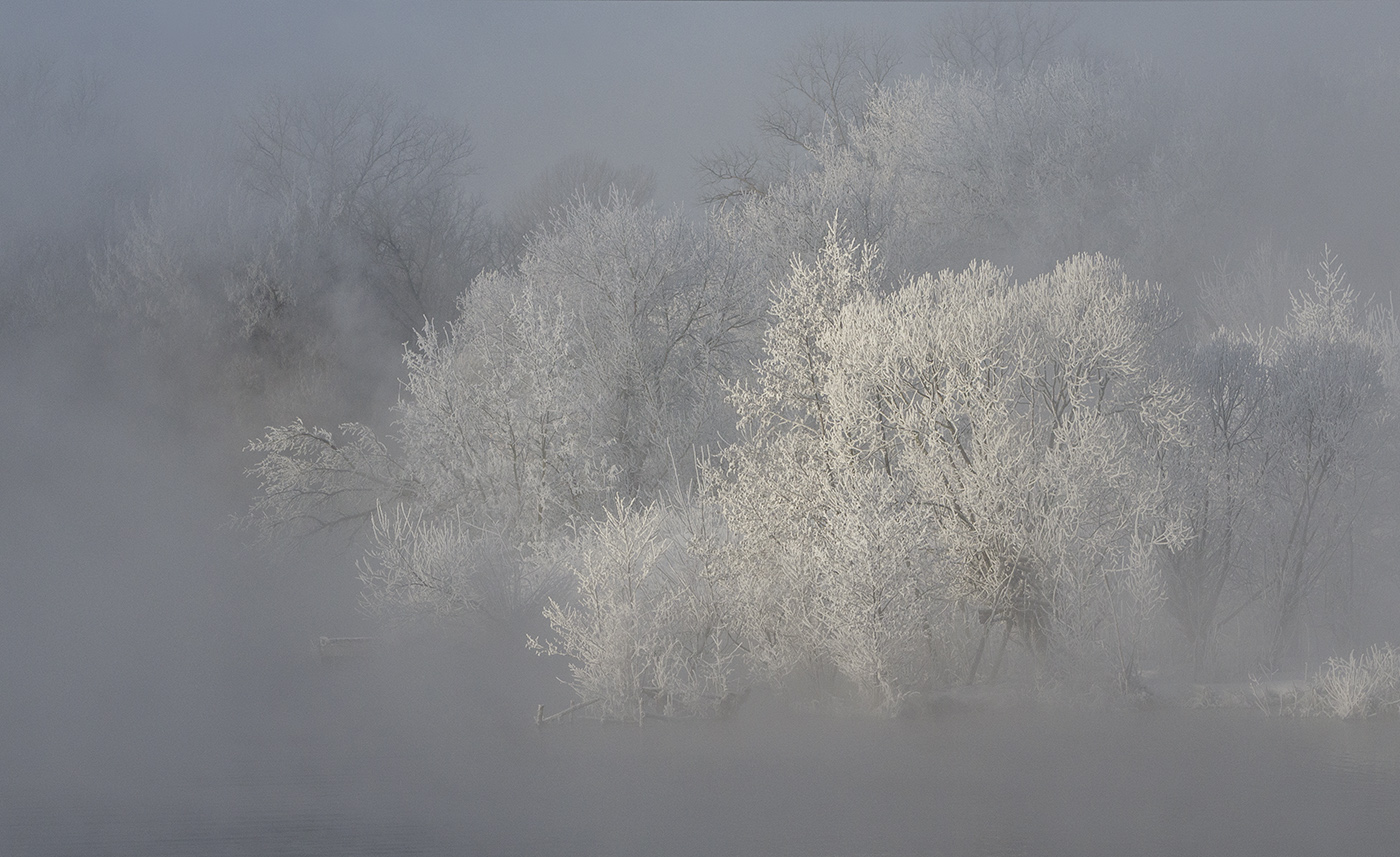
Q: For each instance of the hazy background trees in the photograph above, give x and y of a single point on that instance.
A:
(1285, 455)
(1074, 155)
(1000, 43)
(355, 165)
(65, 167)
(332, 226)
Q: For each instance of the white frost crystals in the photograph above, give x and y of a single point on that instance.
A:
(922, 475)
(560, 389)
(644, 631)
(1355, 687)
(963, 447)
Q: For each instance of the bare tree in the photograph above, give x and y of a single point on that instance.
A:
(735, 172)
(1323, 432)
(987, 39)
(824, 85)
(1282, 458)
(1218, 479)
(559, 387)
(377, 183)
(823, 88)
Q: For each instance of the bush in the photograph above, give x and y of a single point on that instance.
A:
(643, 633)
(1361, 687)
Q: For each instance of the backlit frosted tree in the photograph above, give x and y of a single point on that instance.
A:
(966, 441)
(828, 573)
(591, 372)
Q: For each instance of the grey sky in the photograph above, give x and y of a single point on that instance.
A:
(645, 83)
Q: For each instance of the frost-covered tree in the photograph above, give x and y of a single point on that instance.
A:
(580, 178)
(1032, 415)
(966, 441)
(824, 87)
(1072, 156)
(589, 373)
(666, 310)
(495, 450)
(828, 569)
(643, 631)
(311, 482)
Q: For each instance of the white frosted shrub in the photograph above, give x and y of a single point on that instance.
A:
(642, 631)
(1361, 687)
(415, 566)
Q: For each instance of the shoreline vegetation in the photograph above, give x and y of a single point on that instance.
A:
(968, 478)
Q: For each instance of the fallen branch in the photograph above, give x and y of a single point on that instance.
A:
(541, 720)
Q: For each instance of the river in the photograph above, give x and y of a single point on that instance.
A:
(160, 695)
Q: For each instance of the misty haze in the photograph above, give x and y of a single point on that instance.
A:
(650, 429)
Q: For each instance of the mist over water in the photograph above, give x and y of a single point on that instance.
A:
(162, 697)
(161, 687)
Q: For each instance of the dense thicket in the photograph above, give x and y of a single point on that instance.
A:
(908, 480)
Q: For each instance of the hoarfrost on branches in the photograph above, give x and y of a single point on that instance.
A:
(643, 631)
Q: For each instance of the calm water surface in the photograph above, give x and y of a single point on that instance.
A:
(158, 696)
(361, 765)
